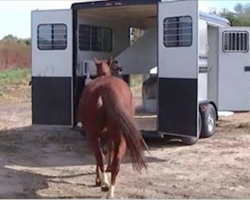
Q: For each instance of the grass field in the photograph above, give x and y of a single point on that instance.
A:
(14, 85)
(13, 77)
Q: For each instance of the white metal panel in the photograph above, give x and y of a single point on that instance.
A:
(179, 62)
(178, 68)
(213, 62)
(52, 63)
(234, 81)
(203, 47)
(141, 56)
(203, 62)
(202, 87)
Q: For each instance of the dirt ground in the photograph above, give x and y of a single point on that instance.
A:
(43, 162)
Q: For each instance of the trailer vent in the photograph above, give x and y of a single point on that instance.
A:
(178, 31)
(52, 37)
(235, 41)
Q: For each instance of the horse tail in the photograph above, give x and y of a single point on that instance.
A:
(134, 140)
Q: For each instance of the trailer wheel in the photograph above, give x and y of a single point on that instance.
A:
(208, 118)
(190, 140)
(200, 125)
(193, 140)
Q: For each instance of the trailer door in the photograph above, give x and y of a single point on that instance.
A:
(178, 67)
(52, 67)
(234, 69)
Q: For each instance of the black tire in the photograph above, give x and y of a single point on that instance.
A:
(193, 140)
(200, 125)
(189, 140)
(208, 121)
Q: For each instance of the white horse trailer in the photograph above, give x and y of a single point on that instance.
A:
(203, 64)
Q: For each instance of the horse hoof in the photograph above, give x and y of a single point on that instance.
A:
(110, 196)
(105, 188)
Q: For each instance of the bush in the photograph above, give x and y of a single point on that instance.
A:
(14, 53)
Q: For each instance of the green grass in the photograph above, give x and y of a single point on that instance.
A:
(14, 77)
(136, 80)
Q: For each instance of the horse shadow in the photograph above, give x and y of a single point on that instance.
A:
(32, 148)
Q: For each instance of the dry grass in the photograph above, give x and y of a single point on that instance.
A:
(14, 85)
(14, 54)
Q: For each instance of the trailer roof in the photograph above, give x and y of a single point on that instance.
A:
(214, 18)
(109, 3)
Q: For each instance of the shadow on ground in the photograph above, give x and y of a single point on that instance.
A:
(31, 147)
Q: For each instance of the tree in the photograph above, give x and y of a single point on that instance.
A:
(247, 8)
(232, 17)
(9, 37)
(244, 17)
(241, 16)
(213, 11)
(135, 34)
(239, 8)
(27, 41)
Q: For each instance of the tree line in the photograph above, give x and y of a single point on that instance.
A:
(239, 17)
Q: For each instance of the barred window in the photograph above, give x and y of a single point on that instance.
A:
(235, 41)
(93, 38)
(52, 37)
(178, 31)
(84, 37)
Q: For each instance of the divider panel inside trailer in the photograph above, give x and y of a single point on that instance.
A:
(52, 93)
(178, 67)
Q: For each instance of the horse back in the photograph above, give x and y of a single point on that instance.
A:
(91, 111)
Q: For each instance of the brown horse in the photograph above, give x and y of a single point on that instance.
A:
(106, 111)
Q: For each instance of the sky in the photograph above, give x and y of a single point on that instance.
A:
(15, 16)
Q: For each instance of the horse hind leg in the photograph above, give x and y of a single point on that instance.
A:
(98, 181)
(100, 173)
(120, 150)
(111, 155)
(101, 180)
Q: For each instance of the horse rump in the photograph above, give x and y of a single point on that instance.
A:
(134, 140)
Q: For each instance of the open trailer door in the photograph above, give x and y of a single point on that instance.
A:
(178, 68)
(52, 60)
(234, 69)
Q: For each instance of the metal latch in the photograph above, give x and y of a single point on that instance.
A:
(247, 68)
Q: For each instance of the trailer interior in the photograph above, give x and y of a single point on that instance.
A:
(109, 32)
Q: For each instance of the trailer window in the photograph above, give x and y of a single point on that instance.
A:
(93, 38)
(178, 31)
(235, 41)
(84, 37)
(52, 37)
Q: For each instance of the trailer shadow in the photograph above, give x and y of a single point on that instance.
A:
(163, 143)
(35, 144)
